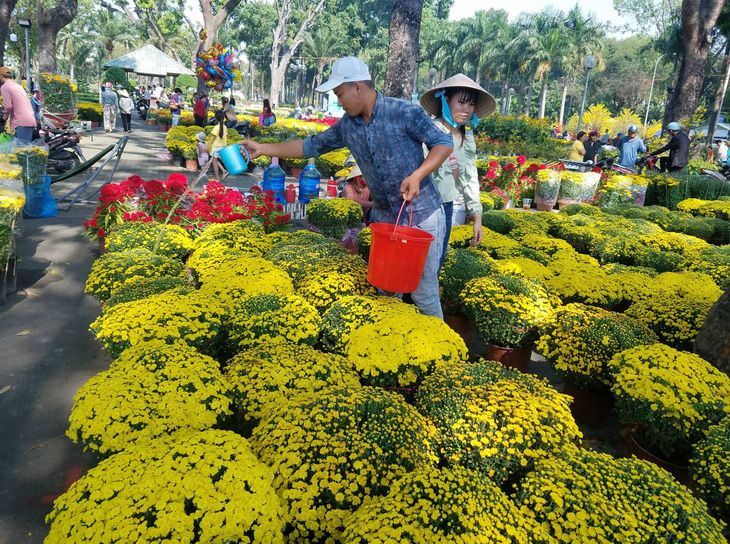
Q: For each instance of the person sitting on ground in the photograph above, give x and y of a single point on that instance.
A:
(678, 148)
(578, 150)
(721, 151)
(592, 145)
(229, 112)
(267, 116)
(357, 190)
(630, 146)
(202, 149)
(218, 140)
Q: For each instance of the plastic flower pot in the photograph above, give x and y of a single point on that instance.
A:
(463, 327)
(295, 172)
(633, 444)
(567, 201)
(639, 194)
(191, 165)
(590, 407)
(517, 358)
(544, 205)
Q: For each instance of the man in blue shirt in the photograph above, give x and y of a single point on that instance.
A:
(630, 146)
(385, 135)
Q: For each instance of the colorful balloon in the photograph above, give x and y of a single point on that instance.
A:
(218, 67)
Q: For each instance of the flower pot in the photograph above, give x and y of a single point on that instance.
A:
(295, 172)
(191, 165)
(151, 121)
(680, 472)
(567, 201)
(508, 204)
(590, 407)
(163, 128)
(102, 246)
(463, 327)
(517, 358)
(544, 205)
(95, 123)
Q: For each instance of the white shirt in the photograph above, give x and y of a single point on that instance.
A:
(722, 152)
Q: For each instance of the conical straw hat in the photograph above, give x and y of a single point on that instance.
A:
(485, 101)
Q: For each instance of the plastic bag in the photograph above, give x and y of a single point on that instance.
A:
(33, 159)
(38, 200)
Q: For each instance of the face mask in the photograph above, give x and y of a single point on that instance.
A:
(446, 112)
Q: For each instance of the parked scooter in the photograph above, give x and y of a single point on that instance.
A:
(142, 109)
(64, 151)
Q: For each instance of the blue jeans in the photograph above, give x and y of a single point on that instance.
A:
(24, 134)
(449, 211)
(426, 296)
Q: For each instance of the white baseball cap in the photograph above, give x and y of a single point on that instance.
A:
(345, 70)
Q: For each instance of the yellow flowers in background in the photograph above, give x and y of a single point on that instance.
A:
(495, 420)
(192, 318)
(262, 319)
(393, 352)
(580, 340)
(242, 235)
(331, 449)
(192, 487)
(674, 396)
(175, 241)
(268, 375)
(433, 505)
(711, 470)
(584, 496)
(111, 271)
(150, 391)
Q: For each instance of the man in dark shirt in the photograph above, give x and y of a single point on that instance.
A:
(678, 148)
(591, 145)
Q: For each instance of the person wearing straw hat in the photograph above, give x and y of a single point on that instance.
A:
(457, 104)
(357, 190)
(385, 135)
(126, 105)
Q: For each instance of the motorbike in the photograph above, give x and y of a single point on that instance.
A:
(64, 151)
(142, 109)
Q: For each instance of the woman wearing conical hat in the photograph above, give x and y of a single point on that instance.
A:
(457, 104)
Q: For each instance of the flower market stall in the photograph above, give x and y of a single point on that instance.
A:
(259, 390)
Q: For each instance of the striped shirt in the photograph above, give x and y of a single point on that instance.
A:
(387, 149)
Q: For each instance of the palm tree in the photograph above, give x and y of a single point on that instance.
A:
(478, 48)
(583, 38)
(548, 47)
(326, 48)
(114, 29)
(74, 45)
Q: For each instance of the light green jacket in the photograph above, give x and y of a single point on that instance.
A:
(467, 179)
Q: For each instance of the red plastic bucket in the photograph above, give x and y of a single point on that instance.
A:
(397, 256)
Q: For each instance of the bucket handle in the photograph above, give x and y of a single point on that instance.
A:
(410, 219)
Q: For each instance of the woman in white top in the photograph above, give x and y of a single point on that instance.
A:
(126, 105)
(457, 104)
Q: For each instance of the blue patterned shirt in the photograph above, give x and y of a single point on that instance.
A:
(387, 149)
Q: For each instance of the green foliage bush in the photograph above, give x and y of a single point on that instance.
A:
(515, 129)
(114, 75)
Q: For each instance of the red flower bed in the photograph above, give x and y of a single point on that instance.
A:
(135, 199)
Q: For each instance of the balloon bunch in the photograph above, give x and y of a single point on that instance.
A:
(218, 67)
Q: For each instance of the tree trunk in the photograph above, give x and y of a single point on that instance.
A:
(698, 22)
(50, 21)
(562, 99)
(279, 60)
(713, 340)
(521, 100)
(211, 23)
(6, 9)
(504, 98)
(529, 95)
(543, 96)
(719, 95)
(405, 26)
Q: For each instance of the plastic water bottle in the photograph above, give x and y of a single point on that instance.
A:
(274, 178)
(309, 181)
